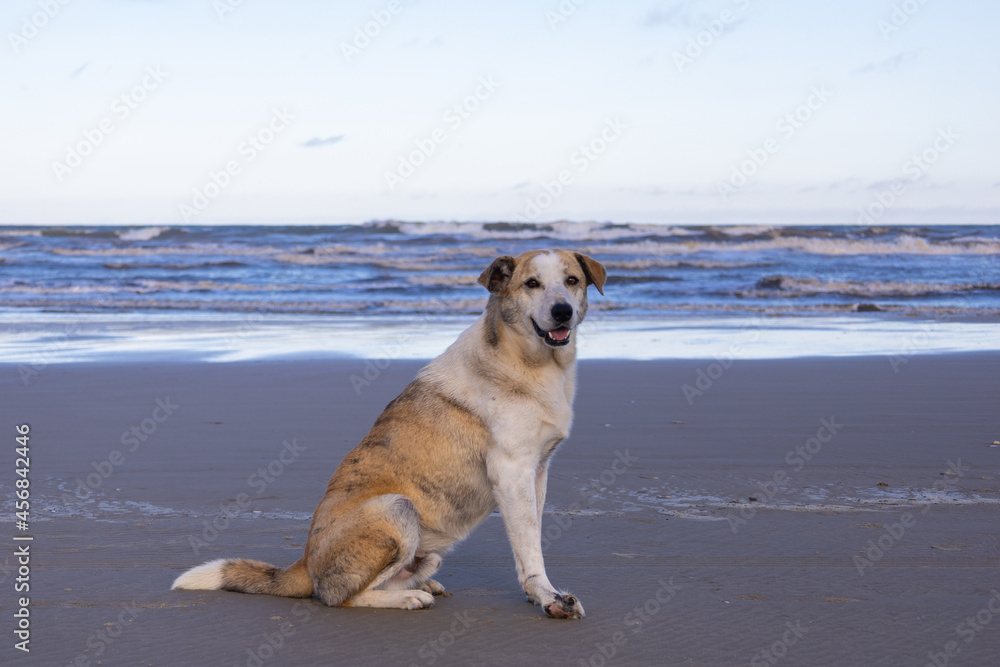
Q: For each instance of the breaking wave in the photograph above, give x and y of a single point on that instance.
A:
(786, 286)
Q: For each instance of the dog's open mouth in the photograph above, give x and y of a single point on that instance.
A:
(557, 337)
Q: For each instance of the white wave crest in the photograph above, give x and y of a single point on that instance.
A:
(901, 245)
(785, 286)
(141, 233)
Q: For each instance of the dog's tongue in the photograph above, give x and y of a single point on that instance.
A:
(562, 333)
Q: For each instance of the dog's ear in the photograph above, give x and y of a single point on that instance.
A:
(496, 277)
(593, 270)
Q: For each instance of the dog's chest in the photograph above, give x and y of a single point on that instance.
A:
(533, 422)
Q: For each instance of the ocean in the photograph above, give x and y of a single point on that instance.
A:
(386, 273)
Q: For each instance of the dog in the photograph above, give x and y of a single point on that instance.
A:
(475, 431)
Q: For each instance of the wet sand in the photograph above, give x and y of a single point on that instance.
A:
(795, 512)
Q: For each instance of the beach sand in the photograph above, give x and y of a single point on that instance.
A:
(651, 521)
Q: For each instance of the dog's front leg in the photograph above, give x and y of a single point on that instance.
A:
(515, 487)
(541, 482)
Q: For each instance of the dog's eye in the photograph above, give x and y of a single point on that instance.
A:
(532, 283)
(572, 280)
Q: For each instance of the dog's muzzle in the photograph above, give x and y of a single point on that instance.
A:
(556, 337)
(561, 313)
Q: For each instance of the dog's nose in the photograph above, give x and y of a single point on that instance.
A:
(562, 312)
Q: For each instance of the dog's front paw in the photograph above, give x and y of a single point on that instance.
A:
(417, 599)
(565, 606)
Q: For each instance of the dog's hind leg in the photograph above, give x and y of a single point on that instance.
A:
(354, 561)
(418, 574)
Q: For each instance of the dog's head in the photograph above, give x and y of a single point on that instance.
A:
(543, 293)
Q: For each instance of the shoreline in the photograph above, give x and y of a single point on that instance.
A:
(42, 338)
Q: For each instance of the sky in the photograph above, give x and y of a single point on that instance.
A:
(160, 112)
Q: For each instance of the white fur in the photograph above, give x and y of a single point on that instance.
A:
(549, 267)
(412, 599)
(207, 576)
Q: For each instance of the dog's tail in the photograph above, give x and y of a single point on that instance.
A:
(248, 576)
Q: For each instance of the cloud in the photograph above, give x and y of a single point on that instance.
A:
(79, 70)
(835, 185)
(660, 191)
(677, 16)
(929, 185)
(884, 185)
(895, 62)
(922, 184)
(317, 142)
